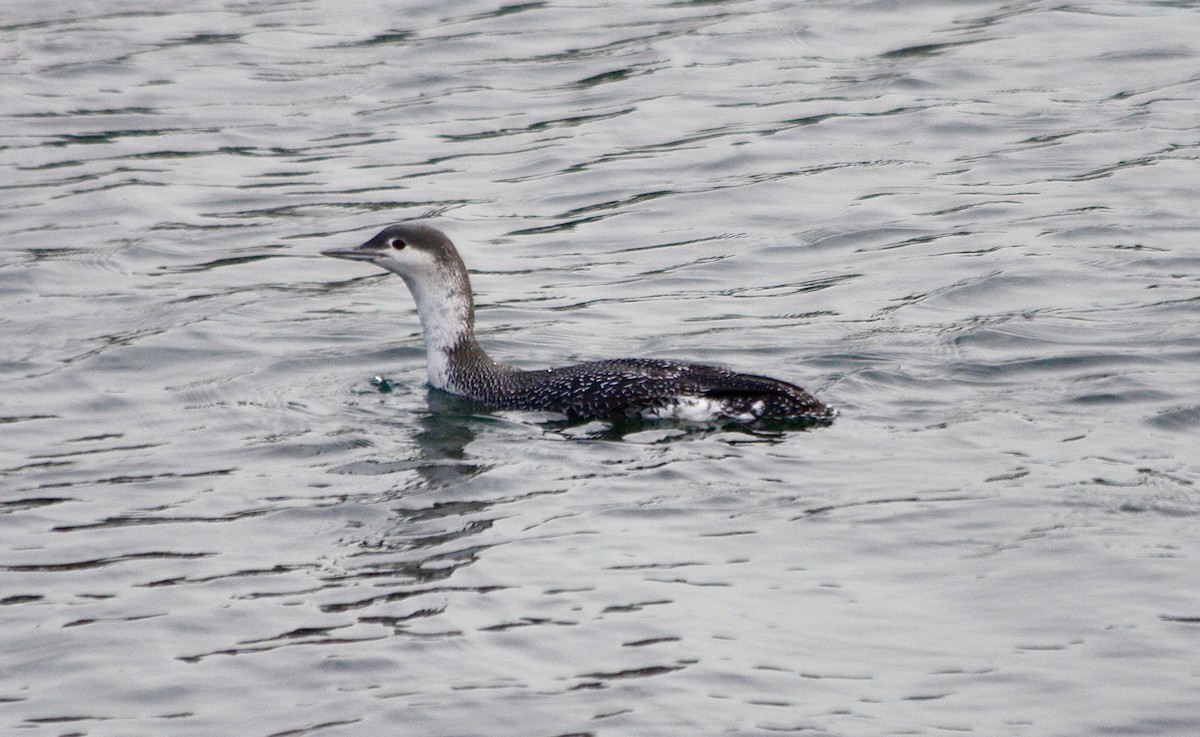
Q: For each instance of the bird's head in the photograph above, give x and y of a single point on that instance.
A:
(413, 251)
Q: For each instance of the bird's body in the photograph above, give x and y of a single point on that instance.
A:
(617, 388)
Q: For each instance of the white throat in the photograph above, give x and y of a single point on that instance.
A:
(446, 319)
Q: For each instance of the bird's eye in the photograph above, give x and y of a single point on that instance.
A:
(398, 244)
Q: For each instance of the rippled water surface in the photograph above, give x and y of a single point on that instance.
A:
(970, 225)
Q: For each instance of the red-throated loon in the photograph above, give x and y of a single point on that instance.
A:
(618, 388)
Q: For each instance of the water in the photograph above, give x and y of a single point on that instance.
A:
(969, 225)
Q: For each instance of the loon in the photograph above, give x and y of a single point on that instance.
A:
(613, 389)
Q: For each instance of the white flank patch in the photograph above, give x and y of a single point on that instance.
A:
(700, 409)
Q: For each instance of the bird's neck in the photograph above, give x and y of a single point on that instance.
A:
(453, 356)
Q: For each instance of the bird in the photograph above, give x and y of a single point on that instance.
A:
(613, 389)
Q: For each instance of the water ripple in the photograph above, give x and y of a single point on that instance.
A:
(970, 227)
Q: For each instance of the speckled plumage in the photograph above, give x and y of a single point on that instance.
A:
(611, 389)
(640, 387)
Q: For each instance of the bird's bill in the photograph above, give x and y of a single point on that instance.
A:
(359, 253)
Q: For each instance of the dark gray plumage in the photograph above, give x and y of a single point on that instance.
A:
(619, 388)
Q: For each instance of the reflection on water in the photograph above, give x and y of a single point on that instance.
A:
(970, 227)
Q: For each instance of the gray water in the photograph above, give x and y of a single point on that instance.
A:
(972, 226)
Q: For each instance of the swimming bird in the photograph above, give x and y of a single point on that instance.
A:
(611, 389)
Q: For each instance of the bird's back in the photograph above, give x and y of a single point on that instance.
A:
(650, 388)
